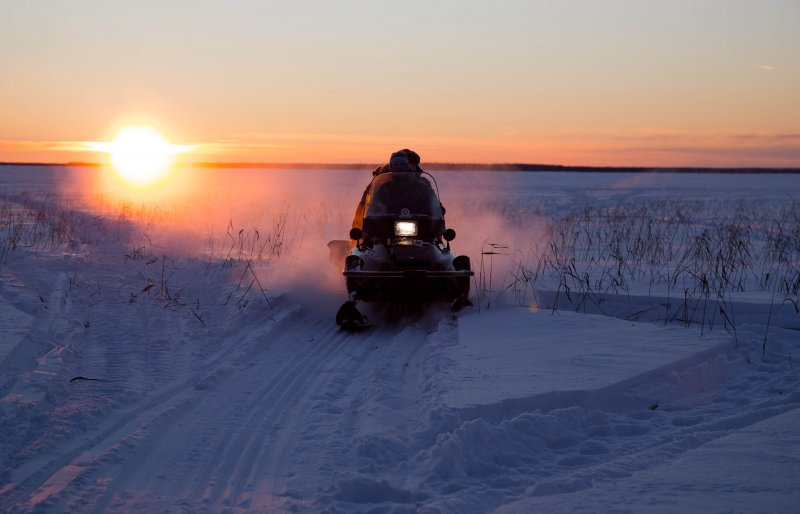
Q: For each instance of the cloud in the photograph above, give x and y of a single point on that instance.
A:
(7, 145)
(645, 146)
(660, 147)
(767, 67)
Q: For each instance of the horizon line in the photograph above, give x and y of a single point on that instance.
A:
(463, 166)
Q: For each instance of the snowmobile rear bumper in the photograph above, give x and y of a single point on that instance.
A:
(408, 285)
(408, 273)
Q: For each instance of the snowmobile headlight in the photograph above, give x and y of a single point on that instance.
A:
(405, 228)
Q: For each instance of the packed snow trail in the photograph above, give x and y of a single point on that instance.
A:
(139, 381)
(276, 406)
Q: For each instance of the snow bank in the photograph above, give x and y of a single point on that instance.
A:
(517, 353)
(753, 469)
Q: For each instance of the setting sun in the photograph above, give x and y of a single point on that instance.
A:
(140, 155)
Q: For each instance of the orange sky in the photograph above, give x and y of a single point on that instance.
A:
(622, 82)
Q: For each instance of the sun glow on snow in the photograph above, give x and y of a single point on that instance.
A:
(140, 155)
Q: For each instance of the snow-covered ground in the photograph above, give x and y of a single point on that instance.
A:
(178, 353)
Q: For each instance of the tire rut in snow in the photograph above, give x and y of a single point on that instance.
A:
(126, 423)
(218, 437)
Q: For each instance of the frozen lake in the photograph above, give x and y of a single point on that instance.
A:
(203, 198)
(548, 188)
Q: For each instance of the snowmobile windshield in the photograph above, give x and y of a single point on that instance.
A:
(403, 194)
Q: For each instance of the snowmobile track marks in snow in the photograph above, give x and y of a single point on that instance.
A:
(228, 431)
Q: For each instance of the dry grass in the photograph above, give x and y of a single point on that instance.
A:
(699, 256)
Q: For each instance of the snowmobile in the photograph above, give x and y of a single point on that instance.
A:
(401, 252)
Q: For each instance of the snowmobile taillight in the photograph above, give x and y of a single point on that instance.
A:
(405, 228)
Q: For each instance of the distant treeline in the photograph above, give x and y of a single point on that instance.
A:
(598, 169)
(454, 166)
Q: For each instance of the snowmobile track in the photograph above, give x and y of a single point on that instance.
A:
(235, 427)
